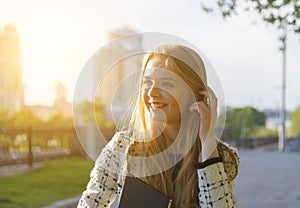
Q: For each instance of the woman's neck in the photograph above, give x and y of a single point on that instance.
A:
(171, 131)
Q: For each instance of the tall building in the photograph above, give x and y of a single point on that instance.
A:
(119, 75)
(11, 86)
(61, 104)
(60, 93)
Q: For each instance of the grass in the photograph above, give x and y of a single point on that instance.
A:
(56, 180)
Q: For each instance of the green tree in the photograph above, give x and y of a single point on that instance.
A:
(3, 117)
(243, 122)
(295, 122)
(87, 111)
(263, 132)
(100, 113)
(59, 120)
(25, 118)
(282, 14)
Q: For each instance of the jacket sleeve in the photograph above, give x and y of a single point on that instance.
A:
(216, 179)
(105, 183)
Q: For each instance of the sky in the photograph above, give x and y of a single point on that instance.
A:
(57, 38)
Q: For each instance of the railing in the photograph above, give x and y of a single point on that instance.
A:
(20, 145)
(258, 143)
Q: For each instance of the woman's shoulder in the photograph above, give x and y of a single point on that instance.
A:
(121, 139)
(115, 149)
(122, 135)
(230, 159)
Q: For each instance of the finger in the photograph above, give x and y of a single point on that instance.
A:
(211, 94)
(201, 107)
(212, 98)
(204, 92)
(197, 104)
(194, 107)
(205, 96)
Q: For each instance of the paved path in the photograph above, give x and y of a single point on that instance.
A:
(9, 170)
(268, 179)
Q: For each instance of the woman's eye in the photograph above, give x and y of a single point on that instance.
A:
(147, 83)
(167, 84)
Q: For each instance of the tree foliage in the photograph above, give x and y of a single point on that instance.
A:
(25, 118)
(243, 122)
(89, 111)
(263, 132)
(284, 14)
(3, 116)
(59, 120)
(295, 122)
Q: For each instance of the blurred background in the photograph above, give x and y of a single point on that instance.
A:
(44, 45)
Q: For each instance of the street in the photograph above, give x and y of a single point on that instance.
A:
(268, 179)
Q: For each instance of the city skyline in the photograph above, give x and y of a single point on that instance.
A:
(57, 39)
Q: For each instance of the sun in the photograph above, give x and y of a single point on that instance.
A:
(42, 65)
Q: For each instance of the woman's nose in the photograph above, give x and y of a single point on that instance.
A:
(154, 92)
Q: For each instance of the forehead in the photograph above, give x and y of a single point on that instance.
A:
(156, 68)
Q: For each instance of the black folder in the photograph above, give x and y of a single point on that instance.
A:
(136, 194)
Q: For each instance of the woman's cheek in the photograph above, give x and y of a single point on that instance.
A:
(145, 96)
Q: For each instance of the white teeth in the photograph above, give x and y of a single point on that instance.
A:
(155, 105)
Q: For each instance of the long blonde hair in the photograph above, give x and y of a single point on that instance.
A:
(178, 181)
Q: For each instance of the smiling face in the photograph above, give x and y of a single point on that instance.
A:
(164, 93)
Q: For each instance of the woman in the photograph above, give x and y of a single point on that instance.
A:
(169, 141)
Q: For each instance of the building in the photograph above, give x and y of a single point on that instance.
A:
(110, 75)
(116, 69)
(273, 120)
(11, 86)
(61, 105)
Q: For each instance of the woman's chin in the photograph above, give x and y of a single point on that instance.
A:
(158, 115)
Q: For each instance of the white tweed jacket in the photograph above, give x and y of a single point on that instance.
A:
(215, 178)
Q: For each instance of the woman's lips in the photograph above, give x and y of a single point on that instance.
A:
(155, 106)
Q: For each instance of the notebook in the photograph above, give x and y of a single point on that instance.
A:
(136, 194)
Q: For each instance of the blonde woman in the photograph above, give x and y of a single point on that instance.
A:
(169, 140)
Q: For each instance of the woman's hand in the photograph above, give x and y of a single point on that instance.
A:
(207, 109)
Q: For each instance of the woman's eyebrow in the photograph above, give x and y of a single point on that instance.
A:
(162, 78)
(168, 79)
